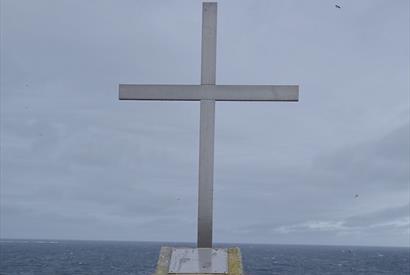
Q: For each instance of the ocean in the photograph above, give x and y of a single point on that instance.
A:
(46, 257)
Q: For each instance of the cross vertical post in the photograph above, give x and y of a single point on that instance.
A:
(207, 126)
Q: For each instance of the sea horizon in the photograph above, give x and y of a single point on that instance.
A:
(73, 256)
(217, 244)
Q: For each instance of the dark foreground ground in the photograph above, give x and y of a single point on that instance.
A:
(100, 257)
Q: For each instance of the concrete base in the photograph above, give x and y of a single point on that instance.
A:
(234, 262)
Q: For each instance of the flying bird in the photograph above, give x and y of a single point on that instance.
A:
(337, 6)
(356, 196)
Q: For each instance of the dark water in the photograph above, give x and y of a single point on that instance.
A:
(92, 257)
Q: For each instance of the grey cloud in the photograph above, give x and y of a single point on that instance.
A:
(384, 161)
(399, 216)
(393, 222)
(77, 163)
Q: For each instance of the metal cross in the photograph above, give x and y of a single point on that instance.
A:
(207, 93)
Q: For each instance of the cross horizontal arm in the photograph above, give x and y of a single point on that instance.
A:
(210, 92)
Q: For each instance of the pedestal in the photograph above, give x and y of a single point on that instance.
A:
(198, 261)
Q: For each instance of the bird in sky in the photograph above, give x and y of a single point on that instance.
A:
(337, 6)
(356, 196)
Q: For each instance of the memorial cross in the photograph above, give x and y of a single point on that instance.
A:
(207, 93)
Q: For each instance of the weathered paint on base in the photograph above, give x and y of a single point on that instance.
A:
(163, 261)
(234, 262)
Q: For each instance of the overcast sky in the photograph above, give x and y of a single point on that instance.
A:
(76, 163)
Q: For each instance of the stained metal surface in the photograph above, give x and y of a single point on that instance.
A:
(199, 260)
(207, 127)
(208, 43)
(210, 92)
(206, 172)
